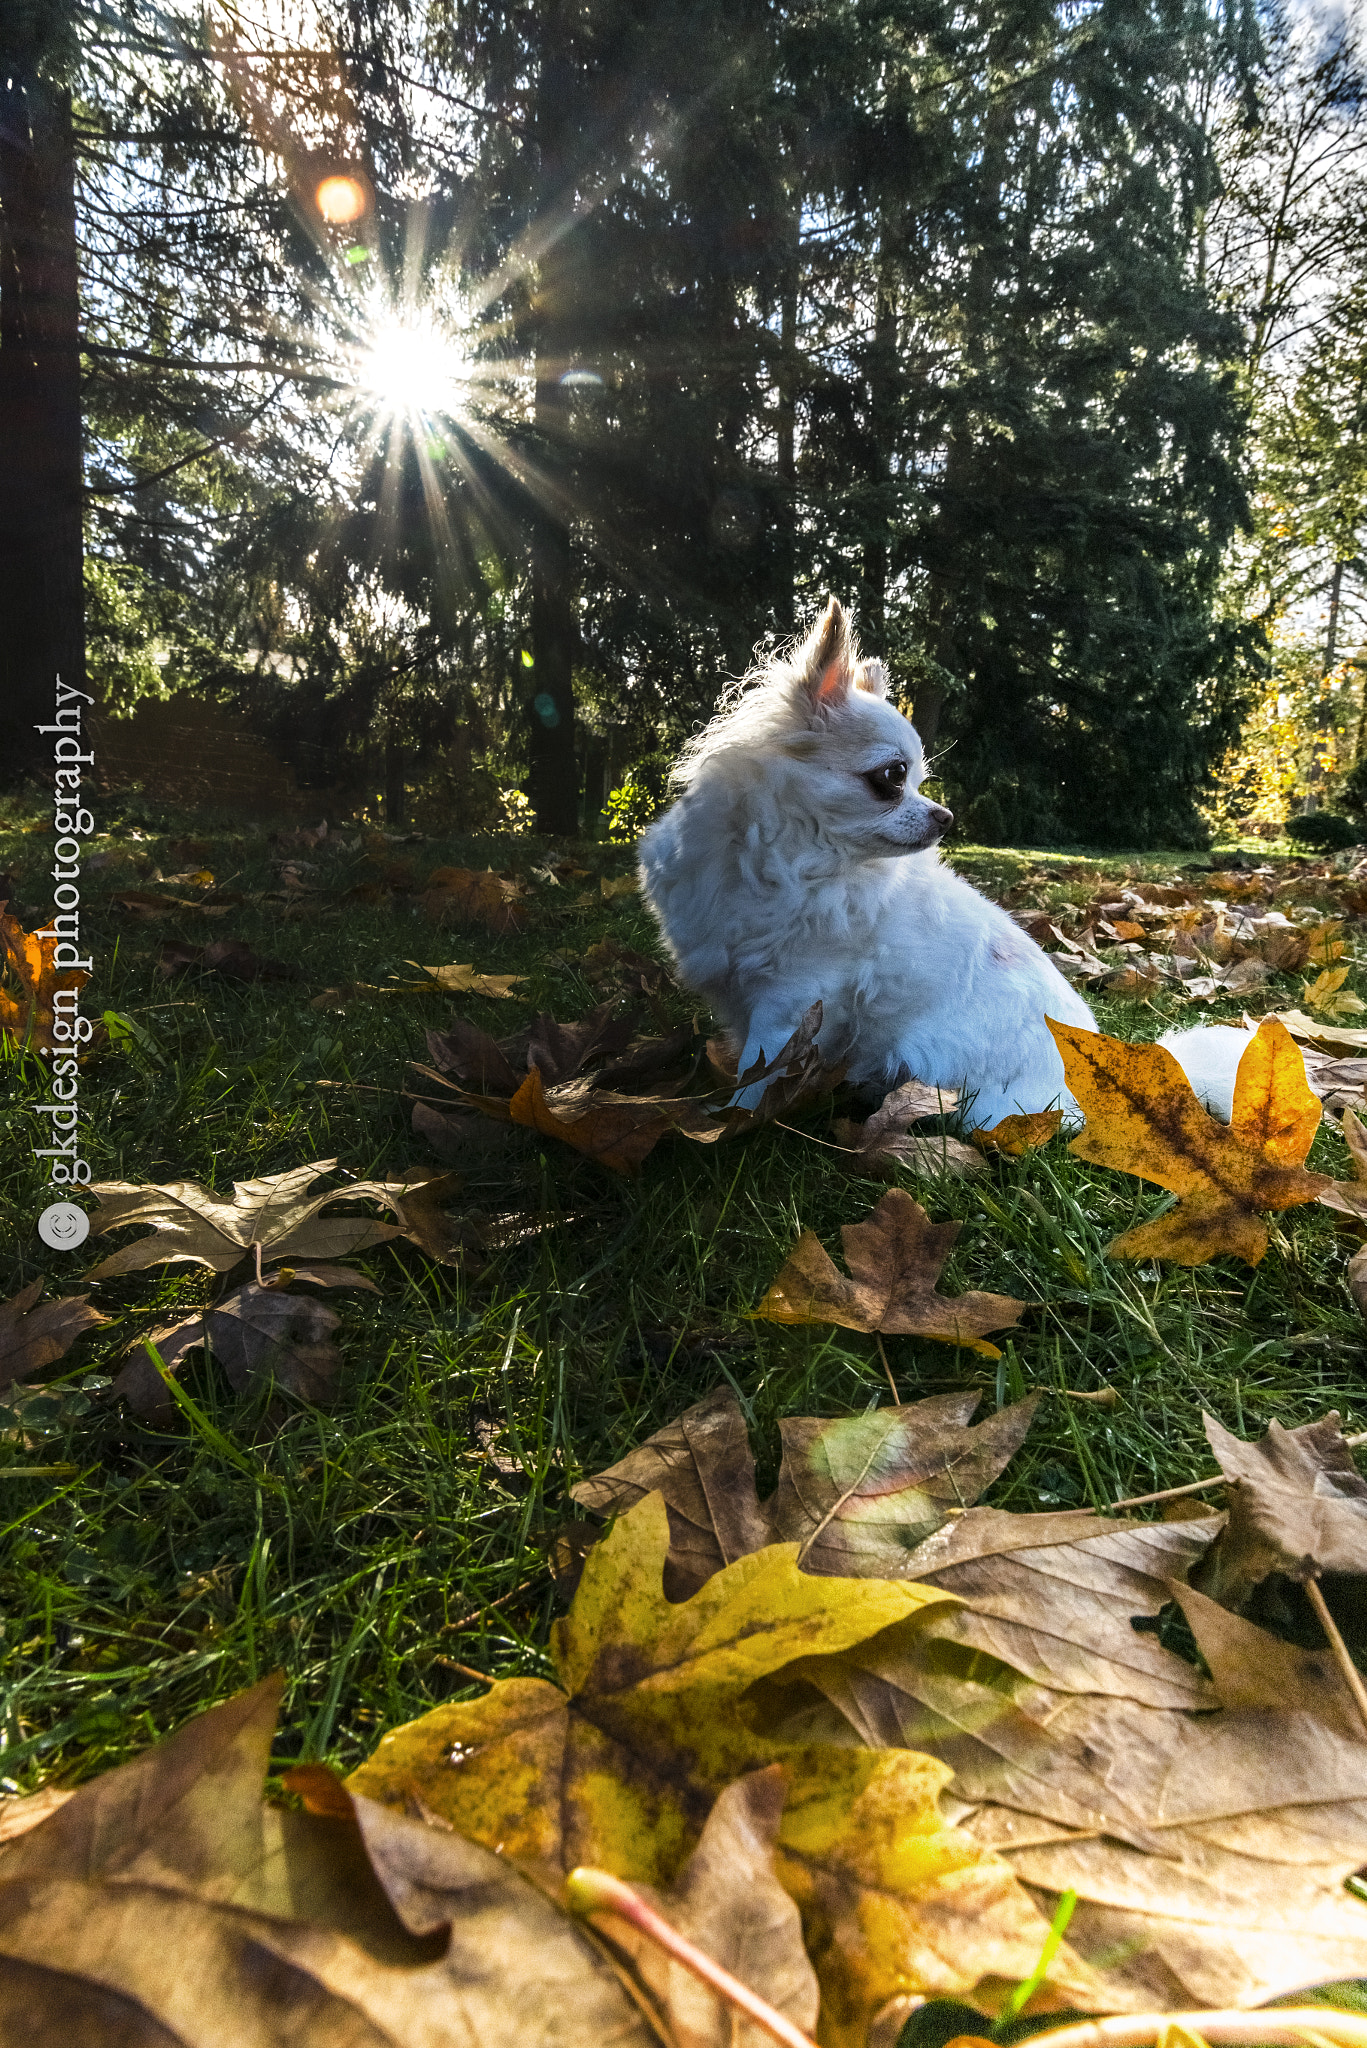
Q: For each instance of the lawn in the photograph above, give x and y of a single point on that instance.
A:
(384, 1551)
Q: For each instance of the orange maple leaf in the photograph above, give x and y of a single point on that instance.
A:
(1143, 1118)
(26, 1019)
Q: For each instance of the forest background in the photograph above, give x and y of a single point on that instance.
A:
(462, 392)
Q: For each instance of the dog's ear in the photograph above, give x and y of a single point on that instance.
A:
(829, 658)
(872, 679)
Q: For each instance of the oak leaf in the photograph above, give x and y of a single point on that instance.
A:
(1143, 1118)
(895, 1257)
(856, 1493)
(620, 1763)
(277, 1212)
(26, 961)
(166, 1901)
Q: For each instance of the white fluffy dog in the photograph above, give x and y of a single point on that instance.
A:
(799, 862)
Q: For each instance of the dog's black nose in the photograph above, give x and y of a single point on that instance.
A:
(940, 817)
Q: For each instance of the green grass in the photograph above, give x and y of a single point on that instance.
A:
(375, 1549)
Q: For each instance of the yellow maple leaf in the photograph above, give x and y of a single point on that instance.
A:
(660, 1705)
(1327, 994)
(1143, 1118)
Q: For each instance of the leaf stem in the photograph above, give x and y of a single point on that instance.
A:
(1352, 1677)
(596, 1891)
(878, 1340)
(1292, 2026)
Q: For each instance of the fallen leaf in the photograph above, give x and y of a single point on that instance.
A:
(728, 1902)
(1327, 994)
(234, 959)
(35, 1333)
(619, 1131)
(455, 980)
(26, 960)
(465, 896)
(167, 1902)
(260, 1333)
(538, 1078)
(189, 1224)
(1285, 950)
(1143, 1118)
(145, 904)
(895, 1257)
(1312, 1031)
(1297, 1505)
(622, 885)
(620, 1763)
(18, 1815)
(1017, 1135)
(884, 1146)
(855, 1493)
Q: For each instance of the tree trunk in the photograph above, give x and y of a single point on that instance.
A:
(395, 795)
(553, 778)
(43, 632)
(787, 381)
(882, 434)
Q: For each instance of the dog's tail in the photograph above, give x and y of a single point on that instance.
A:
(1209, 1056)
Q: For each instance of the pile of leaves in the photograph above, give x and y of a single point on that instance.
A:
(854, 1742)
(600, 1087)
(1225, 935)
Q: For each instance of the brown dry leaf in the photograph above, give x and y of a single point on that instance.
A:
(167, 1902)
(234, 959)
(26, 962)
(254, 1333)
(1136, 981)
(461, 896)
(855, 1493)
(622, 885)
(1209, 1848)
(1284, 948)
(895, 1257)
(1297, 1505)
(18, 1815)
(1239, 979)
(617, 1130)
(883, 1145)
(1017, 1135)
(276, 1212)
(728, 1902)
(1143, 1118)
(1314, 1031)
(456, 980)
(35, 1333)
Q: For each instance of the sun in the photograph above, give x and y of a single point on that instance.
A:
(406, 364)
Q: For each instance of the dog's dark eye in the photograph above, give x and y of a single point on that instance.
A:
(888, 781)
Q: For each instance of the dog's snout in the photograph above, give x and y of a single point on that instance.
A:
(940, 817)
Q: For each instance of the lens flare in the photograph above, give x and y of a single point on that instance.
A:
(340, 200)
(408, 366)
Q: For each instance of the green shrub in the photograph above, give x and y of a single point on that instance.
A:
(1323, 830)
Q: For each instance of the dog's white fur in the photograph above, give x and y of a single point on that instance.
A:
(784, 875)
